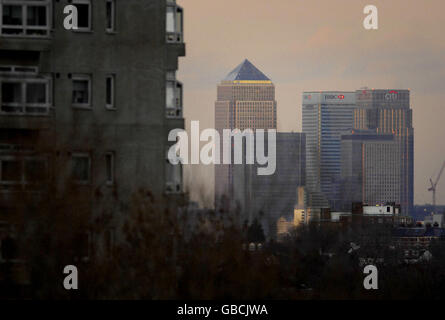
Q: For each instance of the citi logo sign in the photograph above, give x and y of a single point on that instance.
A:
(391, 95)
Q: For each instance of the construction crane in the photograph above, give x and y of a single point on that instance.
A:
(434, 184)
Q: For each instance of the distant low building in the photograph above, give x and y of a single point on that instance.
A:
(435, 220)
(414, 241)
(388, 214)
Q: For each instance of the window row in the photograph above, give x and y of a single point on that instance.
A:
(26, 170)
(22, 171)
(32, 18)
(81, 171)
(81, 168)
(31, 94)
(84, 15)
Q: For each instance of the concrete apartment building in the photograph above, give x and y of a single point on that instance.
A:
(89, 108)
(246, 100)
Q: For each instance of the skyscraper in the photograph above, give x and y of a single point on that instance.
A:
(370, 168)
(326, 114)
(271, 197)
(246, 100)
(388, 112)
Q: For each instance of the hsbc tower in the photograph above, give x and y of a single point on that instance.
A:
(326, 115)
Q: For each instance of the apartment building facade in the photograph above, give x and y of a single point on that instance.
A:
(89, 109)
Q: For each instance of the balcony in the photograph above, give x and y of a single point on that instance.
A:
(24, 93)
(173, 98)
(174, 23)
(25, 24)
(174, 32)
(23, 177)
(173, 177)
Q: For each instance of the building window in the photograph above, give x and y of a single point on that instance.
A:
(109, 98)
(110, 236)
(173, 177)
(83, 14)
(173, 96)
(10, 171)
(24, 92)
(111, 15)
(82, 246)
(174, 23)
(22, 171)
(81, 91)
(26, 18)
(81, 168)
(109, 161)
(35, 170)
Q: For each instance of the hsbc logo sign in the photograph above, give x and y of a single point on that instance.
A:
(334, 97)
(391, 95)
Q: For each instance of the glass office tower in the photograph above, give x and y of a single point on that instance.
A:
(326, 115)
(388, 112)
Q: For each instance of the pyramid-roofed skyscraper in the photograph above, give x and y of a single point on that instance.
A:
(246, 71)
(245, 100)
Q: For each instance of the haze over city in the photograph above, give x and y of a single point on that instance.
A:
(123, 172)
(318, 45)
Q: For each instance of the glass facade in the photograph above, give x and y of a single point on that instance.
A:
(326, 115)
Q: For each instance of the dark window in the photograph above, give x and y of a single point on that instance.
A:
(81, 91)
(12, 15)
(110, 167)
(83, 15)
(26, 18)
(36, 16)
(8, 248)
(82, 245)
(11, 171)
(111, 15)
(35, 170)
(36, 93)
(11, 92)
(109, 99)
(81, 168)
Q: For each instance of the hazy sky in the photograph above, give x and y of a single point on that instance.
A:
(320, 45)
